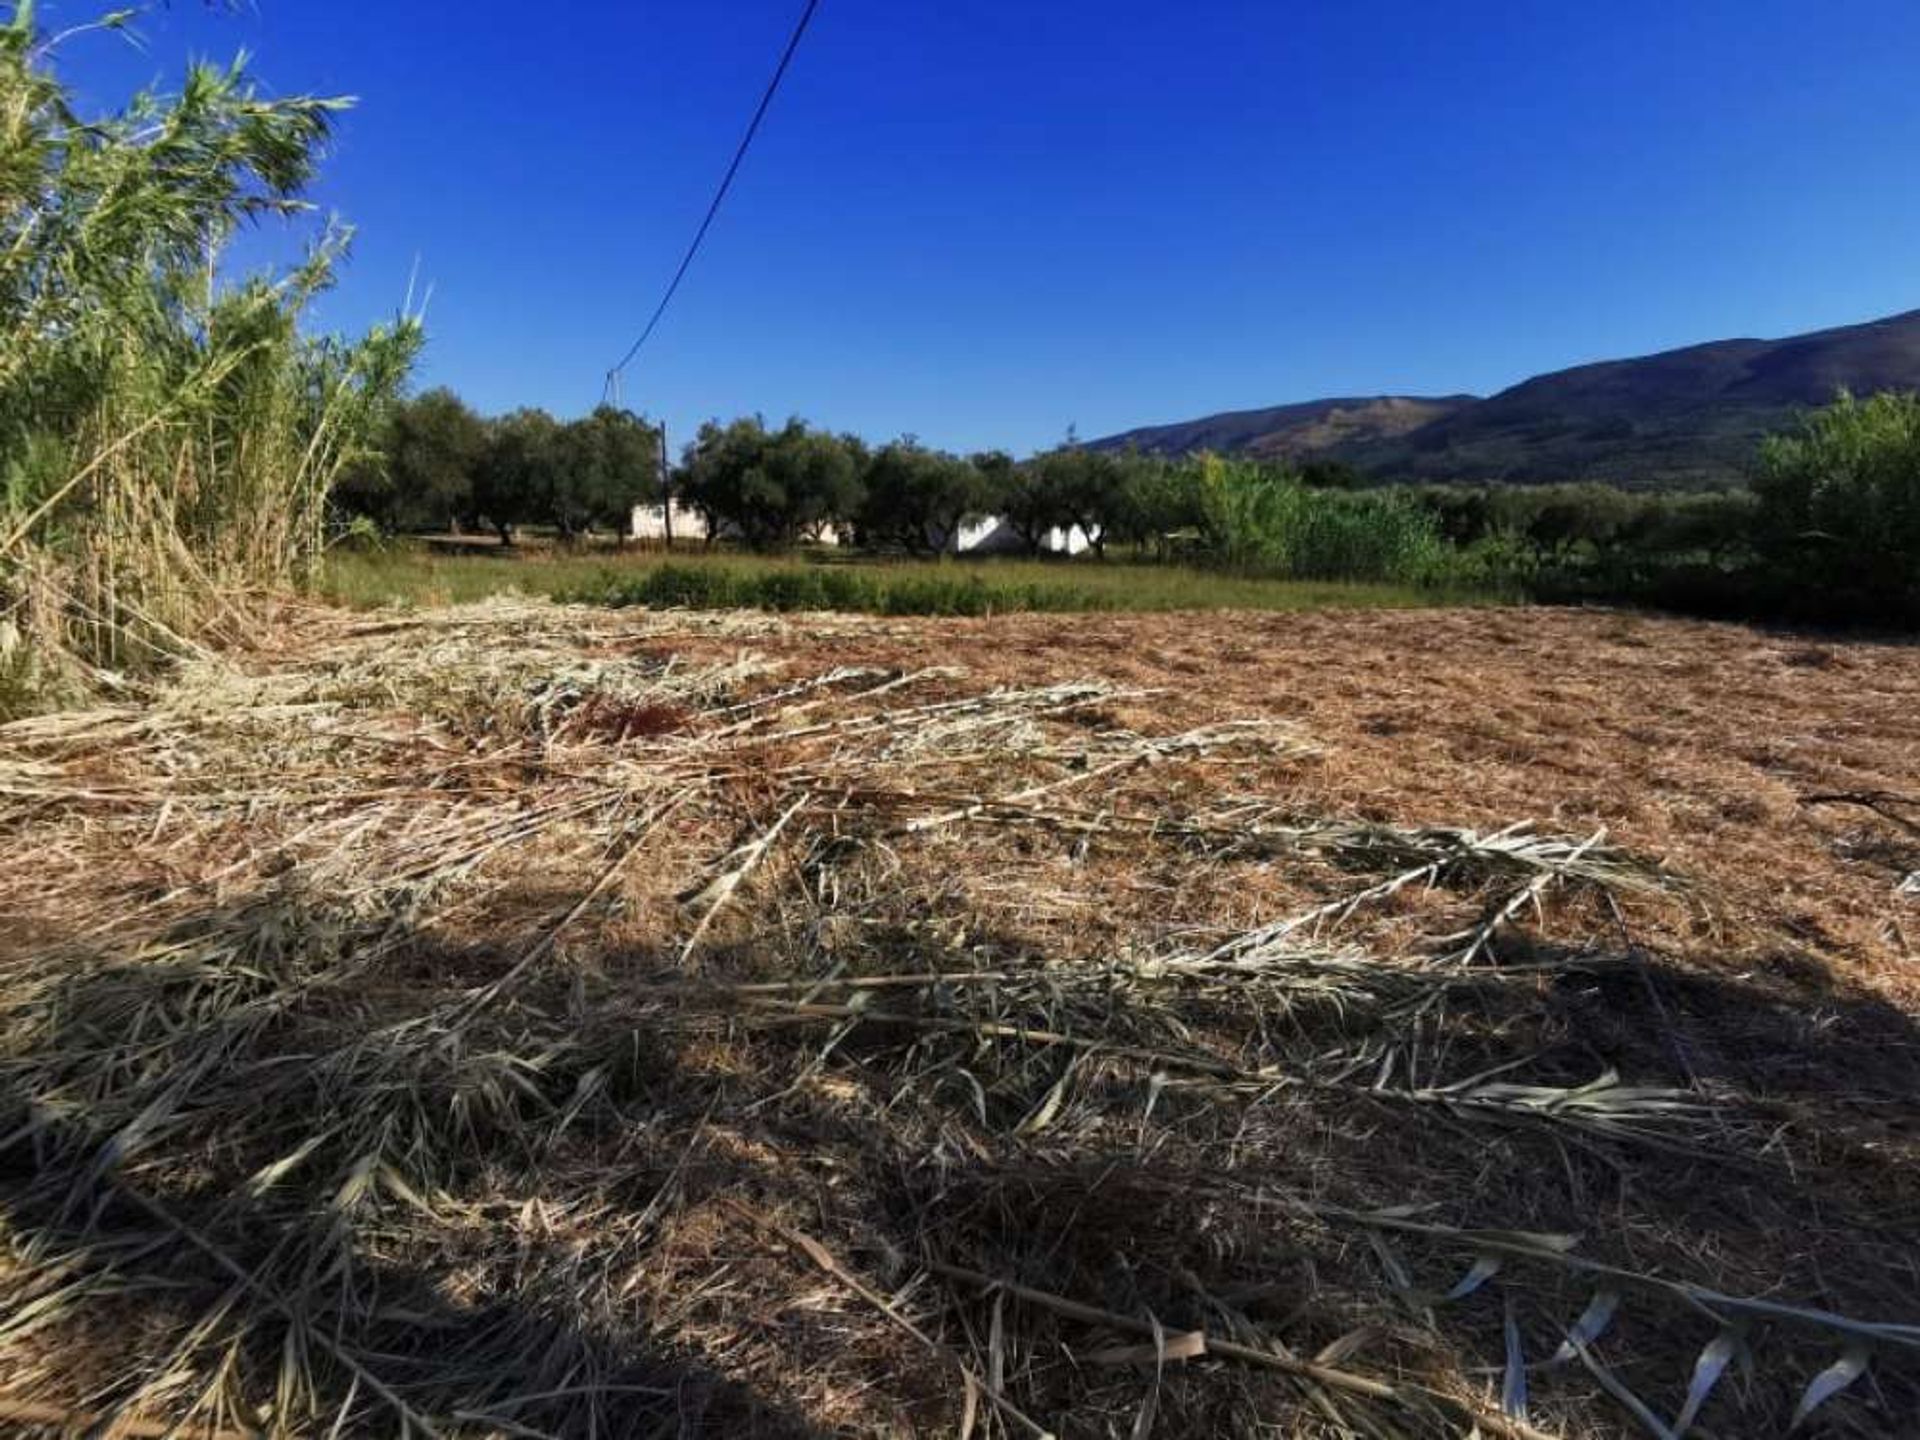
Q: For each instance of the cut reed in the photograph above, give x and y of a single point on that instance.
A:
(451, 1021)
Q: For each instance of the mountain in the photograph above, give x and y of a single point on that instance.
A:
(1687, 417)
(1290, 431)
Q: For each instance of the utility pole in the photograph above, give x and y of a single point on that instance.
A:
(666, 487)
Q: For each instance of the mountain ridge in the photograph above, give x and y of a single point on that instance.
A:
(1691, 416)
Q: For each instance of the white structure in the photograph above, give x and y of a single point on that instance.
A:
(980, 535)
(649, 522)
(995, 535)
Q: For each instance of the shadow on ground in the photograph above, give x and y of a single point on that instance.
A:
(288, 1172)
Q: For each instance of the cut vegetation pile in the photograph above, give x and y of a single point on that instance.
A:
(524, 1020)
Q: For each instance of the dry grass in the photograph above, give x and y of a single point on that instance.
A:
(519, 1020)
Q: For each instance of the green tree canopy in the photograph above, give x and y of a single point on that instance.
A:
(514, 481)
(772, 488)
(606, 464)
(917, 498)
(434, 448)
(1031, 503)
(1323, 474)
(1078, 486)
(1155, 503)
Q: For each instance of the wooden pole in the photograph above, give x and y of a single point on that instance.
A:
(666, 487)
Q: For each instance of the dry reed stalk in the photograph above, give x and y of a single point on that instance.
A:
(105, 1422)
(1344, 1381)
(323, 952)
(830, 1265)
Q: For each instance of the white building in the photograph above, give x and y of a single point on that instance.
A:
(649, 522)
(980, 535)
(995, 535)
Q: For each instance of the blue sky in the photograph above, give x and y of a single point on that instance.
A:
(981, 221)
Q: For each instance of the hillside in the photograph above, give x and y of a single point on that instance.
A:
(1682, 417)
(1308, 427)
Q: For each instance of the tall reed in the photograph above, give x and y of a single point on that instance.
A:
(1255, 517)
(168, 435)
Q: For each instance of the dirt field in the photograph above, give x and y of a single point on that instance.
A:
(519, 1020)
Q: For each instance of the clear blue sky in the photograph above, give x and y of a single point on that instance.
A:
(983, 221)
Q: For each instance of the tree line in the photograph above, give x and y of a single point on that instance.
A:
(440, 466)
(772, 487)
(1828, 528)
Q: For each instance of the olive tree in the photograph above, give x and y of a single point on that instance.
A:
(431, 449)
(604, 465)
(514, 479)
(917, 499)
(772, 488)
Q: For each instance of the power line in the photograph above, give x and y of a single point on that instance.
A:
(753, 126)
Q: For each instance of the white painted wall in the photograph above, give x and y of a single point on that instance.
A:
(649, 522)
(993, 535)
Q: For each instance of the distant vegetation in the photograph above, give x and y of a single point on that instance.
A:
(1838, 518)
(813, 579)
(1824, 534)
(769, 489)
(1829, 532)
(442, 466)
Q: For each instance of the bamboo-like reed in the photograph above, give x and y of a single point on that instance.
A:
(168, 438)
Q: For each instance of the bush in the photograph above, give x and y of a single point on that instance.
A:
(1258, 517)
(1839, 509)
(1501, 563)
(828, 587)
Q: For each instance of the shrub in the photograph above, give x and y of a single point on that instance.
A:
(827, 587)
(1258, 517)
(1839, 508)
(1501, 563)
